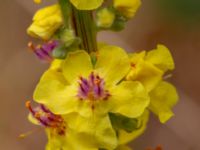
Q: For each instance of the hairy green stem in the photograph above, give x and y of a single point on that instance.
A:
(85, 29)
(66, 12)
(83, 23)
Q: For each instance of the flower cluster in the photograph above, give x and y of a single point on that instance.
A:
(49, 19)
(95, 96)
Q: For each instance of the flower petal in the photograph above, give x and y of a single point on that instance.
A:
(86, 108)
(125, 137)
(161, 57)
(77, 64)
(56, 64)
(105, 18)
(69, 141)
(129, 99)
(163, 98)
(54, 92)
(33, 120)
(45, 22)
(137, 57)
(146, 73)
(98, 130)
(53, 74)
(112, 64)
(87, 4)
(55, 142)
(127, 7)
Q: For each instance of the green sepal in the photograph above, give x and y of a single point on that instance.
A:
(119, 23)
(66, 11)
(121, 122)
(59, 52)
(93, 58)
(67, 36)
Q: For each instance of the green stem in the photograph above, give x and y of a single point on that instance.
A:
(66, 11)
(83, 23)
(85, 29)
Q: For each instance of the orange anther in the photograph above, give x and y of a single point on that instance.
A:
(133, 65)
(31, 46)
(28, 104)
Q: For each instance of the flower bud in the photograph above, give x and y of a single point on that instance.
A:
(45, 22)
(105, 18)
(128, 8)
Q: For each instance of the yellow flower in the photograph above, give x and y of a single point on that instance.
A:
(45, 22)
(92, 91)
(149, 68)
(127, 7)
(163, 98)
(145, 72)
(161, 58)
(105, 18)
(87, 4)
(56, 64)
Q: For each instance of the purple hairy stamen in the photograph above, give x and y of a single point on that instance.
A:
(46, 118)
(92, 88)
(43, 52)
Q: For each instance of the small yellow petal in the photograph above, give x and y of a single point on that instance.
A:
(129, 99)
(105, 18)
(70, 141)
(59, 98)
(45, 22)
(77, 64)
(127, 7)
(110, 60)
(87, 4)
(57, 64)
(97, 129)
(161, 57)
(53, 74)
(137, 57)
(55, 93)
(146, 73)
(163, 98)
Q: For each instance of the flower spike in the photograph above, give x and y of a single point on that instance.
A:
(95, 96)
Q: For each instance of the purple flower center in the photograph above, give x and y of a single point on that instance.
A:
(47, 119)
(92, 88)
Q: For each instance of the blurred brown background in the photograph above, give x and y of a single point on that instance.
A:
(175, 23)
